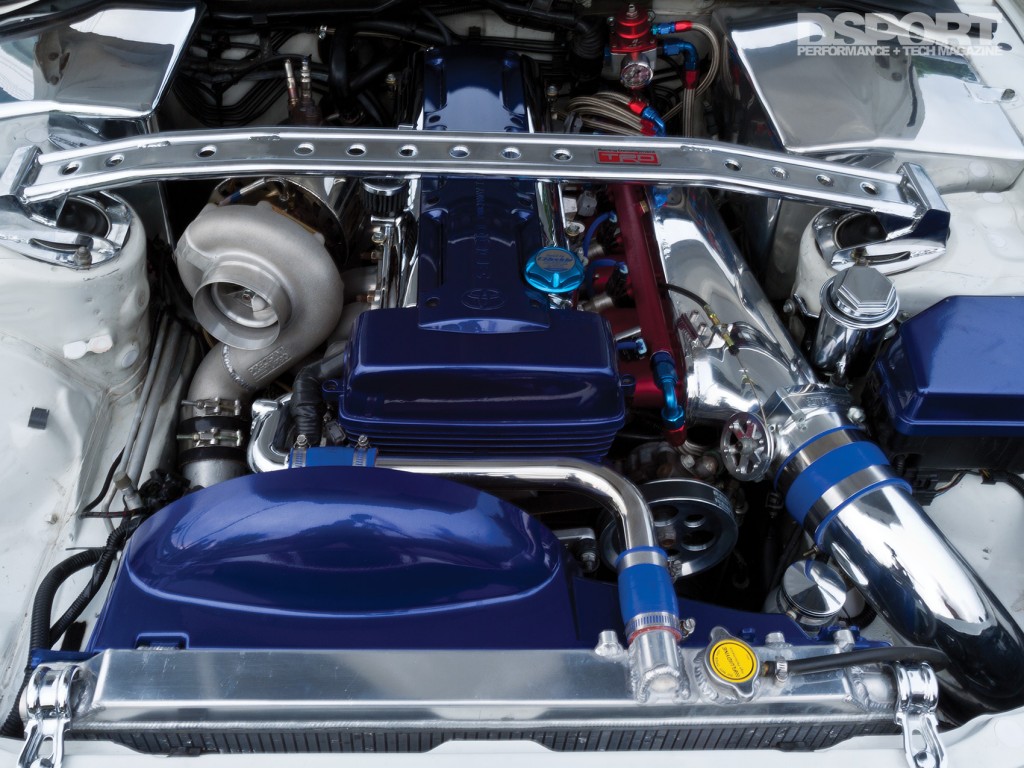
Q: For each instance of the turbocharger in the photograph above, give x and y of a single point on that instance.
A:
(264, 285)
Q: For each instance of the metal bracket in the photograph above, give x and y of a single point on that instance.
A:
(48, 701)
(918, 696)
(902, 200)
(890, 256)
(36, 232)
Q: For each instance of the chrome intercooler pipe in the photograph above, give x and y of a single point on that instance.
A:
(835, 481)
(647, 598)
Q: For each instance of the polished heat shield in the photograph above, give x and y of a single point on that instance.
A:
(348, 558)
(482, 363)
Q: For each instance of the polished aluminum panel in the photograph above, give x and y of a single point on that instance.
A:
(880, 111)
(115, 62)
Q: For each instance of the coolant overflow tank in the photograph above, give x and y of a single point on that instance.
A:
(857, 306)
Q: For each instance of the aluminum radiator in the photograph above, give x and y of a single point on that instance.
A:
(189, 702)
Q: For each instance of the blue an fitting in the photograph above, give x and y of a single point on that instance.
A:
(671, 27)
(689, 51)
(647, 598)
(666, 377)
(650, 114)
(831, 469)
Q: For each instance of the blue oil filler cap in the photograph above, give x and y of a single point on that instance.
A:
(554, 270)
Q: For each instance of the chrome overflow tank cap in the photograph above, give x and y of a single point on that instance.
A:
(812, 593)
(863, 296)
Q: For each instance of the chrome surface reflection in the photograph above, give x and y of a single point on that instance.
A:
(113, 63)
(697, 252)
(925, 589)
(877, 110)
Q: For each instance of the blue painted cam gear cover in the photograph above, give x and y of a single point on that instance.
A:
(343, 557)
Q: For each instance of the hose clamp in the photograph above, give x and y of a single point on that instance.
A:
(645, 622)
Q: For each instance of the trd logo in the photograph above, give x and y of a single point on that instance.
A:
(627, 157)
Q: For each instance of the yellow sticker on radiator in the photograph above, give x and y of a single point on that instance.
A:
(733, 660)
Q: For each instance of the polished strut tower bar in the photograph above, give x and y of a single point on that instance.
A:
(906, 200)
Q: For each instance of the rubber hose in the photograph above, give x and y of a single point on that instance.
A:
(438, 24)
(1014, 481)
(547, 18)
(39, 635)
(400, 30)
(307, 404)
(918, 653)
(13, 728)
(371, 73)
(587, 50)
(337, 72)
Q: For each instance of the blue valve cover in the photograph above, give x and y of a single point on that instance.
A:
(332, 557)
(482, 364)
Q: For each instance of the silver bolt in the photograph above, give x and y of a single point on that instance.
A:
(843, 640)
(552, 91)
(391, 81)
(83, 258)
(608, 644)
(377, 237)
(363, 442)
(574, 229)
(687, 626)
(856, 415)
(775, 638)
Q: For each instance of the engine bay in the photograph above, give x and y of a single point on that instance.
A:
(605, 376)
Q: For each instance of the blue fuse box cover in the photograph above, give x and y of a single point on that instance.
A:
(955, 370)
